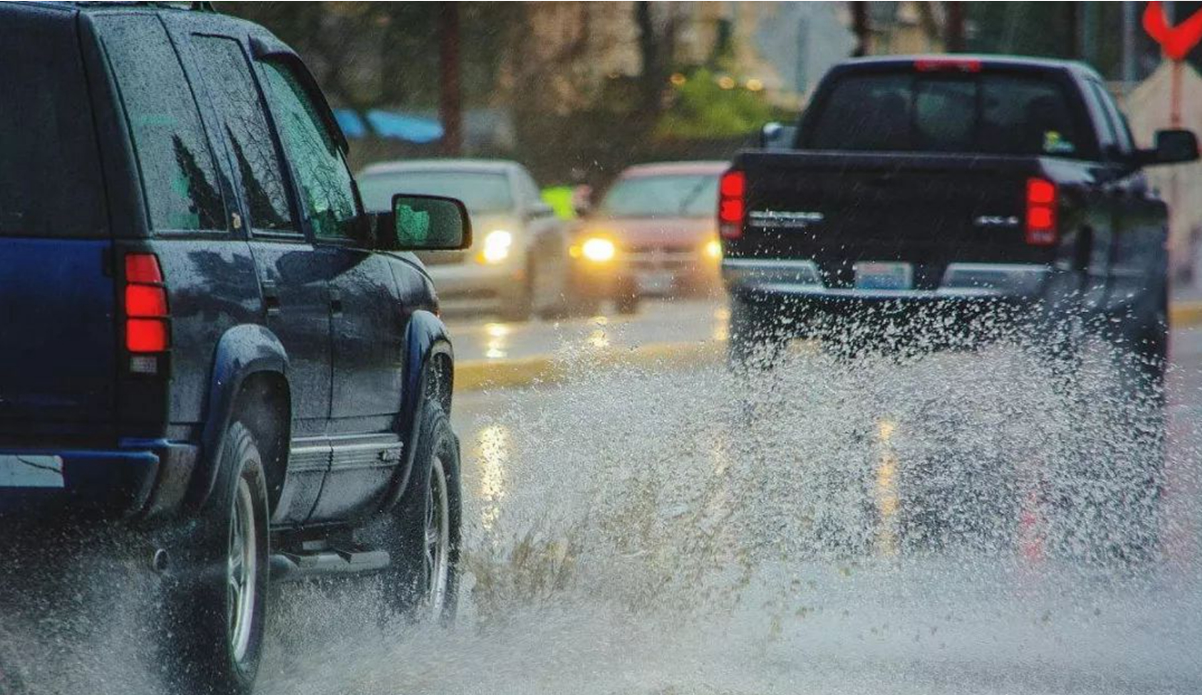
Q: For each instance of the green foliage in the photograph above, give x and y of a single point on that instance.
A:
(702, 109)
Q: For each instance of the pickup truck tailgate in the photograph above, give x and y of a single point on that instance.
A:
(926, 209)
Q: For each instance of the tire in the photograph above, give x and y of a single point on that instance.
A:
(422, 533)
(1143, 496)
(1152, 349)
(551, 294)
(217, 600)
(627, 303)
(583, 307)
(752, 341)
(1060, 339)
(520, 306)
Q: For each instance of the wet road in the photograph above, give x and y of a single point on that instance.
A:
(676, 321)
(944, 524)
(941, 525)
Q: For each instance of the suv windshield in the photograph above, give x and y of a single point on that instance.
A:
(678, 195)
(50, 181)
(481, 192)
(990, 114)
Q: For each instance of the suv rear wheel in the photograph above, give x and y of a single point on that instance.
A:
(217, 600)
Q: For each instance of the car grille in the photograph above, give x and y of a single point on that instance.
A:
(662, 257)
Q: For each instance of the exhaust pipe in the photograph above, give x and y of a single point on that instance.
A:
(160, 561)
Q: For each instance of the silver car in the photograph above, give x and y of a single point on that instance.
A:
(517, 265)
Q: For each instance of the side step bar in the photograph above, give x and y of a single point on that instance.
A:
(290, 567)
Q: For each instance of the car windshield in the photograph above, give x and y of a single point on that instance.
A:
(988, 113)
(481, 192)
(675, 195)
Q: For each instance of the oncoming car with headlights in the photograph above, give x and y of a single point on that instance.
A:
(652, 234)
(516, 266)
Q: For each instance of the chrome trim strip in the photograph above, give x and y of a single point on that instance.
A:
(960, 280)
(745, 271)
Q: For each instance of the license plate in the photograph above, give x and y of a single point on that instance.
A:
(655, 283)
(884, 276)
(31, 470)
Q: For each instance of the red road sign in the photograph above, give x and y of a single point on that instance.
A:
(1176, 41)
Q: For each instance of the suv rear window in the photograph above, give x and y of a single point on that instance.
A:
(50, 181)
(987, 113)
(179, 179)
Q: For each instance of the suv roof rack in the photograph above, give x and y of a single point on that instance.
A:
(191, 6)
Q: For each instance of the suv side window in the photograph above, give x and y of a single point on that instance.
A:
(252, 149)
(179, 179)
(326, 188)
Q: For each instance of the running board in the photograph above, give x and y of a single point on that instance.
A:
(290, 567)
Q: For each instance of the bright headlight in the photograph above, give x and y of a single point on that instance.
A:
(497, 244)
(713, 249)
(598, 250)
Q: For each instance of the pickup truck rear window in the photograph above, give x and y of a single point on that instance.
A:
(50, 182)
(986, 113)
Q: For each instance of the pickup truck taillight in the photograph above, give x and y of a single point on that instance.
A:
(1042, 201)
(731, 204)
(146, 312)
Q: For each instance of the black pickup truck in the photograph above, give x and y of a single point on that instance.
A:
(949, 182)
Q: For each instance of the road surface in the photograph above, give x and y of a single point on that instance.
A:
(644, 530)
(937, 525)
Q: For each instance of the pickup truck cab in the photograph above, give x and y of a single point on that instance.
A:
(952, 182)
(206, 338)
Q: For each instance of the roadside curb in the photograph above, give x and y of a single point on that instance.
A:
(1184, 314)
(481, 375)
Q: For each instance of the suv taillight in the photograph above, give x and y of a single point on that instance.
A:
(146, 312)
(732, 206)
(1042, 201)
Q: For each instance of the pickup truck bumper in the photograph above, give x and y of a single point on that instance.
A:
(141, 477)
(974, 282)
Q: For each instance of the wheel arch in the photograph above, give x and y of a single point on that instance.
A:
(249, 371)
(427, 344)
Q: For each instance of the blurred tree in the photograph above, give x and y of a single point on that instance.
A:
(703, 108)
(386, 54)
(586, 86)
(1057, 30)
(450, 104)
(657, 50)
(954, 32)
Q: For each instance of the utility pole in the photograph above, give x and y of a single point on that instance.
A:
(953, 41)
(1089, 32)
(1129, 24)
(861, 26)
(450, 101)
(1074, 30)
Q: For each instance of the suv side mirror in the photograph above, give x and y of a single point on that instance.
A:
(1173, 146)
(776, 136)
(424, 223)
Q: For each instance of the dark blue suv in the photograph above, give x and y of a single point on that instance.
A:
(204, 335)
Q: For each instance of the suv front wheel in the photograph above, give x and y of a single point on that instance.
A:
(421, 534)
